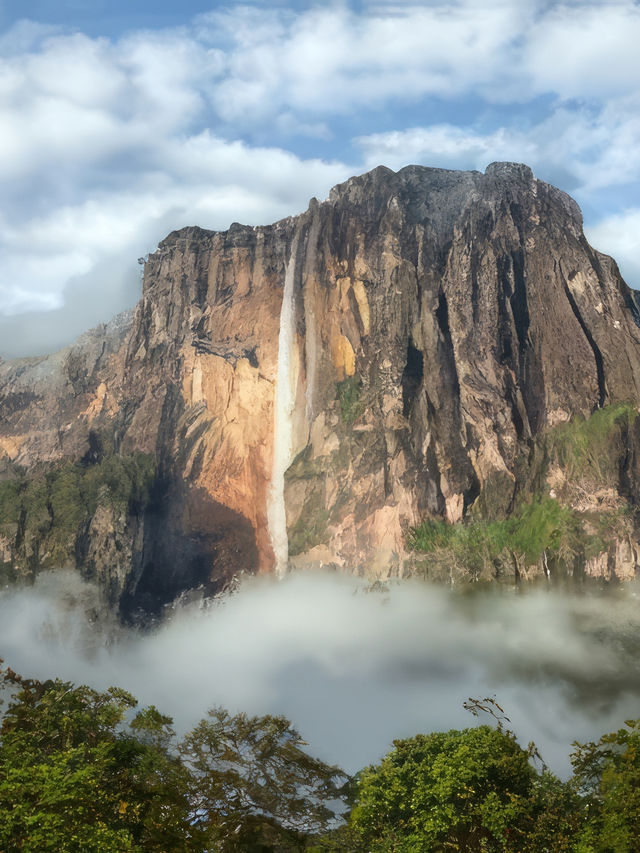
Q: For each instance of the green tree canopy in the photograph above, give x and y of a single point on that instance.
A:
(457, 790)
(255, 787)
(608, 773)
(75, 777)
(81, 770)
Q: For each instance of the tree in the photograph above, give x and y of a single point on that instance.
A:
(458, 790)
(469, 790)
(80, 770)
(255, 787)
(557, 817)
(608, 773)
(74, 777)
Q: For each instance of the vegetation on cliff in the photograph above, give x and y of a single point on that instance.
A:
(45, 511)
(572, 511)
(592, 449)
(349, 395)
(543, 526)
(82, 770)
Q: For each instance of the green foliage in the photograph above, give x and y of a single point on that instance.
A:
(608, 526)
(349, 393)
(458, 790)
(608, 772)
(66, 510)
(591, 447)
(344, 839)
(470, 790)
(34, 504)
(9, 502)
(557, 817)
(78, 773)
(47, 507)
(80, 770)
(74, 777)
(542, 526)
(255, 784)
(123, 481)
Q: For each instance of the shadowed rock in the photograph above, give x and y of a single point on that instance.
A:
(443, 321)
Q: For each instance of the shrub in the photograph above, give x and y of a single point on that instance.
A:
(591, 447)
(542, 526)
(46, 508)
(349, 393)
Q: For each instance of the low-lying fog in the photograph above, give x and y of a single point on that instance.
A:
(351, 669)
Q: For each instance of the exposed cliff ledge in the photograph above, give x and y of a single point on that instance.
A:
(438, 324)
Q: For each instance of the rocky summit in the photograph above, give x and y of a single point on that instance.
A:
(305, 393)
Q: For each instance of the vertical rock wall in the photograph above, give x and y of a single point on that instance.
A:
(449, 319)
(437, 322)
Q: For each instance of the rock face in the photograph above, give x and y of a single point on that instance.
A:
(310, 389)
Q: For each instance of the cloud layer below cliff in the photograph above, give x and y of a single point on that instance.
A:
(115, 130)
(352, 669)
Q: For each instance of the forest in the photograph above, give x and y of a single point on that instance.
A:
(83, 770)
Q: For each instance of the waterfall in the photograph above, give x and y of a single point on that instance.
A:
(285, 398)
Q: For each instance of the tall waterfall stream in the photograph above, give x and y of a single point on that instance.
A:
(283, 413)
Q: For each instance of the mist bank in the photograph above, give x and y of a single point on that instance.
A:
(352, 666)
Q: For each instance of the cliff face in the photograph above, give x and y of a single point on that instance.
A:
(311, 389)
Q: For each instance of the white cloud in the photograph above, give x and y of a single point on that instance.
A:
(106, 144)
(330, 59)
(352, 669)
(591, 148)
(585, 50)
(32, 282)
(619, 236)
(77, 101)
(101, 155)
(206, 181)
(23, 36)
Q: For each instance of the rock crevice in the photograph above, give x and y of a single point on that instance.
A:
(438, 324)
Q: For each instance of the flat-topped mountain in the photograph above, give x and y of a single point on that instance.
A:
(304, 393)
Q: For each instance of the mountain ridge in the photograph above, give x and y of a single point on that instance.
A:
(437, 324)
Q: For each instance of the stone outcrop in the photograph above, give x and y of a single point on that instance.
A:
(436, 323)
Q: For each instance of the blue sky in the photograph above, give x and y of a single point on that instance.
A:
(122, 121)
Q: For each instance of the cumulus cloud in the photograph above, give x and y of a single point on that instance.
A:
(240, 114)
(98, 163)
(583, 151)
(619, 236)
(584, 49)
(103, 152)
(89, 248)
(332, 59)
(353, 669)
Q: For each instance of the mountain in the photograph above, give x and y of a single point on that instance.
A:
(304, 393)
